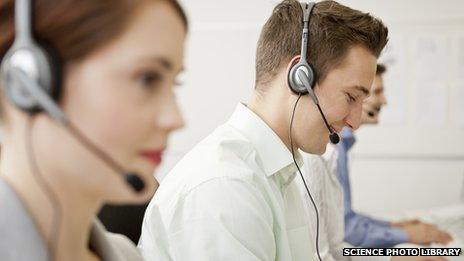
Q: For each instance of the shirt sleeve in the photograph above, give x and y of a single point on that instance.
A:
(366, 232)
(223, 219)
(360, 230)
(375, 221)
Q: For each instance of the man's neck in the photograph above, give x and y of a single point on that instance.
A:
(272, 115)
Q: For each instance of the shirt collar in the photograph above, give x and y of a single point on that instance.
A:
(111, 246)
(275, 156)
(330, 158)
(348, 138)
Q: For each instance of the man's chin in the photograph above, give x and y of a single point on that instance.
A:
(322, 150)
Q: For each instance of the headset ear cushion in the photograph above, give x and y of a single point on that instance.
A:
(311, 75)
(40, 65)
(55, 64)
(294, 82)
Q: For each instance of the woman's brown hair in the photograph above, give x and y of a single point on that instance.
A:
(74, 28)
(70, 30)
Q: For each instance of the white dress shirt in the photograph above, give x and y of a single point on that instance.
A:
(154, 233)
(320, 173)
(321, 177)
(233, 198)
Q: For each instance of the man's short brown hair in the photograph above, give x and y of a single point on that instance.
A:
(381, 69)
(334, 28)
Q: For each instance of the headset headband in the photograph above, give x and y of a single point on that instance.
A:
(307, 11)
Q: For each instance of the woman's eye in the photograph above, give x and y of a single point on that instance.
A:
(149, 79)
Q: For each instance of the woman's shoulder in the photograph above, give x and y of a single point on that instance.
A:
(124, 246)
(20, 237)
(111, 246)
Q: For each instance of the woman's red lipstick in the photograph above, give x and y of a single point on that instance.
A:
(154, 156)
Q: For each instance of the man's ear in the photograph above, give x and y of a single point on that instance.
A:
(292, 62)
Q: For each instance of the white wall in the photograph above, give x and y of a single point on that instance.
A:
(415, 158)
(404, 163)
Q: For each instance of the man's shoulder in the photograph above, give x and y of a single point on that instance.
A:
(222, 155)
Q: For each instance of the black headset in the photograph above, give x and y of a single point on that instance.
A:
(302, 77)
(31, 74)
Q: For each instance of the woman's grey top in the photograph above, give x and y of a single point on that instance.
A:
(20, 239)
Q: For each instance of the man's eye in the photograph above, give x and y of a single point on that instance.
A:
(149, 79)
(350, 98)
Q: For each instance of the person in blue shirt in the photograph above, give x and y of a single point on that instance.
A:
(365, 231)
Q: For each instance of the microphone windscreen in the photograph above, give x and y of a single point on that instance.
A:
(334, 138)
(133, 179)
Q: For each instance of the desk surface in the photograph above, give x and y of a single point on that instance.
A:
(430, 215)
(433, 216)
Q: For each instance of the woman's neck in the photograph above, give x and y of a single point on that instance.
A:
(64, 209)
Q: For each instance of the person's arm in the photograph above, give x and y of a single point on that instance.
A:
(223, 219)
(364, 232)
(361, 230)
(379, 222)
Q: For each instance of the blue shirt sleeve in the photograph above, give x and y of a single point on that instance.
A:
(361, 230)
(379, 222)
(364, 231)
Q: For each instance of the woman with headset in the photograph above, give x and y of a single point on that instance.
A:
(87, 105)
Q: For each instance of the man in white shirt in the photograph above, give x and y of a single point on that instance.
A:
(233, 197)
